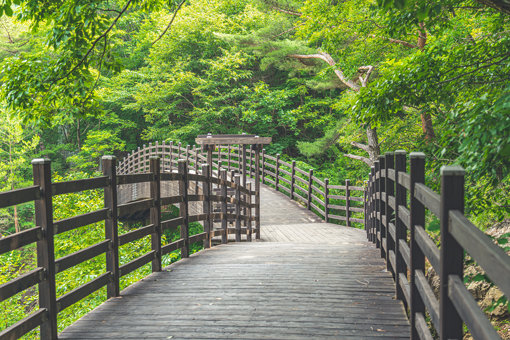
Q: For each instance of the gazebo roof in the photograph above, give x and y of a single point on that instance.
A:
(231, 139)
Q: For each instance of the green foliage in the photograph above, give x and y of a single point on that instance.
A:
(97, 144)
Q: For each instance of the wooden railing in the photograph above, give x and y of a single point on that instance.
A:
(42, 193)
(398, 229)
(332, 202)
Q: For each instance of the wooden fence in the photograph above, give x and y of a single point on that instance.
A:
(332, 202)
(42, 193)
(398, 229)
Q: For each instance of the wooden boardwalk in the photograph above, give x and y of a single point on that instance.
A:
(305, 280)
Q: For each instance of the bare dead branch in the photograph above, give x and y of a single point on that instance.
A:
(359, 158)
(329, 60)
(363, 147)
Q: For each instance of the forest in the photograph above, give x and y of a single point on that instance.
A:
(334, 83)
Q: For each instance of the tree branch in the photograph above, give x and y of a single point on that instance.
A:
(396, 41)
(329, 60)
(359, 158)
(102, 36)
(363, 147)
(286, 11)
(368, 72)
(170, 23)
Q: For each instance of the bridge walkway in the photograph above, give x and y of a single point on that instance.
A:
(305, 280)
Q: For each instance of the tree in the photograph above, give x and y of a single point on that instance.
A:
(16, 147)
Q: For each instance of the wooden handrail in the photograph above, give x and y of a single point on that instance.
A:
(144, 159)
(406, 245)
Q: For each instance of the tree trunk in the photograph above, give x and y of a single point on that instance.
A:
(16, 222)
(427, 127)
(426, 119)
(78, 139)
(373, 144)
(372, 148)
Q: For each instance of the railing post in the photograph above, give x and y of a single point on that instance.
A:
(237, 181)
(163, 155)
(183, 206)
(326, 199)
(208, 223)
(277, 170)
(187, 153)
(179, 152)
(245, 165)
(248, 216)
(365, 207)
(347, 203)
(263, 164)
(219, 157)
(155, 211)
(292, 179)
(377, 231)
(373, 210)
(195, 150)
(224, 234)
(400, 228)
(109, 166)
(389, 192)
(210, 149)
(452, 254)
(257, 191)
(171, 155)
(417, 213)
(382, 206)
(310, 183)
(229, 158)
(45, 247)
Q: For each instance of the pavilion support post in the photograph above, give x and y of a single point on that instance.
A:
(45, 247)
(196, 150)
(244, 165)
(210, 149)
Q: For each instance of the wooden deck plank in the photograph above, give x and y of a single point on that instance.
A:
(257, 291)
(306, 280)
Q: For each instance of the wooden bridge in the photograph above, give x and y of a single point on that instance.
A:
(303, 278)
